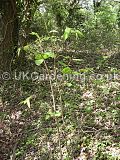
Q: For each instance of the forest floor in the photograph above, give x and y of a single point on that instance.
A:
(87, 112)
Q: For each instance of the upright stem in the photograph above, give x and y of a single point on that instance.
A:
(54, 108)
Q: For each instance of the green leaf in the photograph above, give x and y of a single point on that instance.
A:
(86, 70)
(27, 101)
(18, 51)
(39, 62)
(75, 73)
(39, 56)
(46, 55)
(79, 33)
(53, 31)
(69, 84)
(53, 114)
(35, 34)
(66, 33)
(78, 60)
(47, 117)
(26, 48)
(57, 114)
(49, 55)
(88, 109)
(66, 70)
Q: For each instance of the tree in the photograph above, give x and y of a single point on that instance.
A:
(9, 33)
(12, 14)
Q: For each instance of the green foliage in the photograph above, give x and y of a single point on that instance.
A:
(66, 33)
(39, 58)
(66, 70)
(27, 101)
(69, 31)
(53, 115)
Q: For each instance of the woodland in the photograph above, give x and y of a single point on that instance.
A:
(59, 79)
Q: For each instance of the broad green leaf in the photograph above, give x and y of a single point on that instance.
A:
(66, 70)
(39, 56)
(69, 84)
(26, 48)
(39, 62)
(49, 55)
(45, 55)
(47, 117)
(66, 33)
(75, 73)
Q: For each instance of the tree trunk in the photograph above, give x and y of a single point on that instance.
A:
(8, 33)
